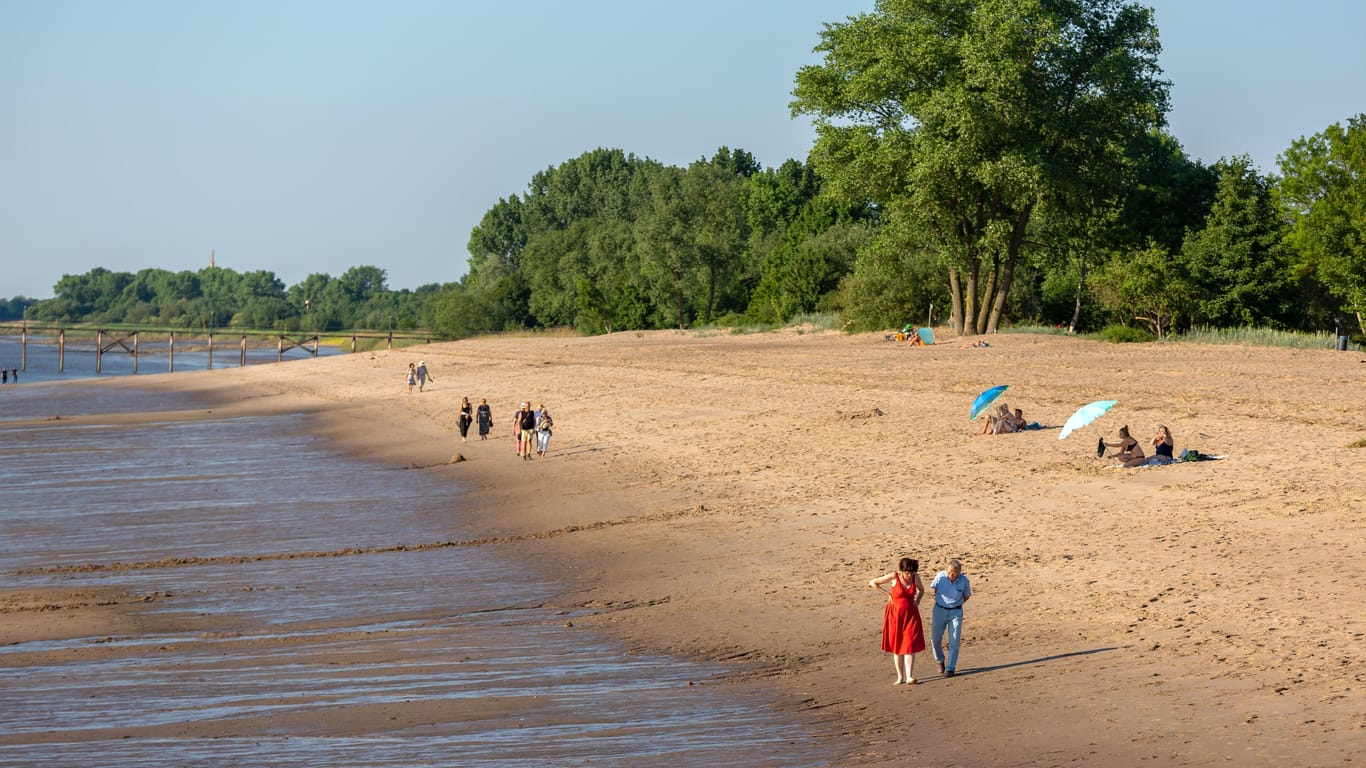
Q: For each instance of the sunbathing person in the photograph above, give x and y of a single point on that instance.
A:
(1163, 447)
(1019, 420)
(1005, 421)
(1130, 453)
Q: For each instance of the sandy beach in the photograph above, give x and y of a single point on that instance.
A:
(727, 497)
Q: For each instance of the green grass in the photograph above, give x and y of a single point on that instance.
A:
(1045, 330)
(809, 322)
(1257, 337)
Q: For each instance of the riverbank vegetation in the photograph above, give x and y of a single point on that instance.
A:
(977, 165)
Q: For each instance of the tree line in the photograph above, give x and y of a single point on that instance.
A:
(981, 163)
(217, 297)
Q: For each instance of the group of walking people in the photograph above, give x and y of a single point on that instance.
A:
(903, 635)
(469, 414)
(531, 429)
(417, 376)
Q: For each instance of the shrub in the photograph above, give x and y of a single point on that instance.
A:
(1123, 334)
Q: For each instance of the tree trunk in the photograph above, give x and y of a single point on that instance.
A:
(1007, 277)
(970, 298)
(987, 292)
(1081, 290)
(955, 302)
(998, 306)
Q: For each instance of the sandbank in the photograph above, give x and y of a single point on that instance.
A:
(727, 497)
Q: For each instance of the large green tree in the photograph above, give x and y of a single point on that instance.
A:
(963, 118)
(1236, 264)
(1323, 194)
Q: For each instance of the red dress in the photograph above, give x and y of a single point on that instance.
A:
(901, 630)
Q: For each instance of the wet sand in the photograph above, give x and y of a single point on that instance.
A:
(727, 497)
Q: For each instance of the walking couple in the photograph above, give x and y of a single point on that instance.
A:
(902, 633)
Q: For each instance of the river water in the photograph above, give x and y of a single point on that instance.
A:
(281, 557)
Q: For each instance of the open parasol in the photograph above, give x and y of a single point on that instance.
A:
(1085, 415)
(986, 398)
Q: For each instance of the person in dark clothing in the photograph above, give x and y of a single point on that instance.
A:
(526, 429)
(485, 416)
(466, 417)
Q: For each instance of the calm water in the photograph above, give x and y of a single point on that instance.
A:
(276, 636)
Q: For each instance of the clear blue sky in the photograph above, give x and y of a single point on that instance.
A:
(301, 136)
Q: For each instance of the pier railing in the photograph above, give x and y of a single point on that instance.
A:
(132, 340)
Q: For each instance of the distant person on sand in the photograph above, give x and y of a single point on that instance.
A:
(1130, 453)
(423, 375)
(411, 377)
(466, 417)
(903, 635)
(4, 375)
(526, 426)
(543, 426)
(14, 374)
(1163, 447)
(951, 591)
(517, 427)
(485, 419)
(1001, 422)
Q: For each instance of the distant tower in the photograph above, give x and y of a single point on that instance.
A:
(210, 258)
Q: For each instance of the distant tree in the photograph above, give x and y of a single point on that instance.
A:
(1147, 286)
(1237, 266)
(670, 266)
(14, 307)
(1322, 193)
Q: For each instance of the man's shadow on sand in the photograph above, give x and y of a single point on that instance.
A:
(1027, 662)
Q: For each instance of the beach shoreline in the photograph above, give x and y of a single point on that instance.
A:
(727, 497)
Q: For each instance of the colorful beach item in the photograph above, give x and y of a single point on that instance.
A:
(985, 399)
(1085, 415)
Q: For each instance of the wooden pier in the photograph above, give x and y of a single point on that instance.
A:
(109, 339)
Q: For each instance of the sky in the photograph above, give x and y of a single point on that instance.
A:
(311, 136)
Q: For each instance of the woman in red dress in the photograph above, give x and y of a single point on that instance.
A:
(902, 635)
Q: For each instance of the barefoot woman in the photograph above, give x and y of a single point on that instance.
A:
(902, 635)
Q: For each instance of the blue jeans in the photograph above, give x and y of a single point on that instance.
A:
(942, 618)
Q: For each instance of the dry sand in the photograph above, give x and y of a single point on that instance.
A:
(728, 497)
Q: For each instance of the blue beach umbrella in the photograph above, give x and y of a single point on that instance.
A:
(926, 335)
(986, 398)
(1085, 415)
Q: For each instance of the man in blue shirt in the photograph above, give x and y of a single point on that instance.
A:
(951, 591)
